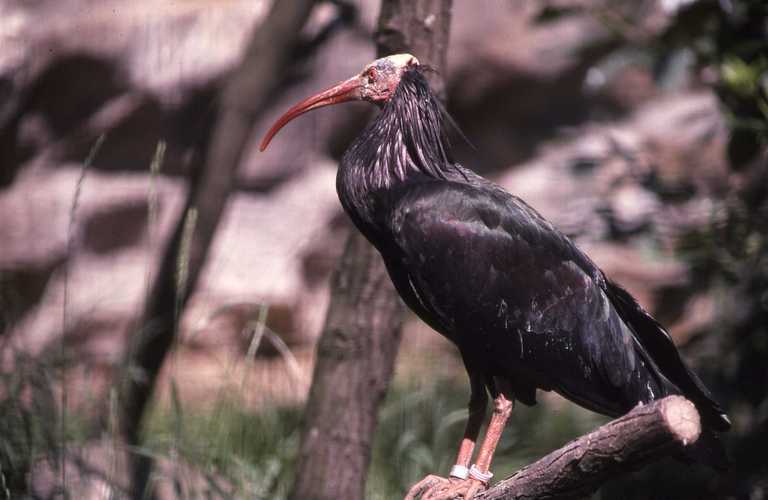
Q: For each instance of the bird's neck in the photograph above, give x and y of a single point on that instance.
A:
(405, 141)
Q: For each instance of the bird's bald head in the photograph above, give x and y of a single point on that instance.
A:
(376, 83)
(380, 78)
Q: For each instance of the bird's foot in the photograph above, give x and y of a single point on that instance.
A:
(426, 485)
(458, 488)
(439, 488)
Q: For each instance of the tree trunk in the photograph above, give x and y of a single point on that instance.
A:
(356, 352)
(421, 28)
(355, 359)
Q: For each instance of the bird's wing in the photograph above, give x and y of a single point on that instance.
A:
(495, 273)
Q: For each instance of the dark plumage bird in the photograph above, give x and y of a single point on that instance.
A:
(525, 307)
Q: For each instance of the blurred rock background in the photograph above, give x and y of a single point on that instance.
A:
(638, 127)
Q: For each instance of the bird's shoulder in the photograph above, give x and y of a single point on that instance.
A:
(450, 202)
(482, 217)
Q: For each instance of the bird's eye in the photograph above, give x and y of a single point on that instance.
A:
(371, 75)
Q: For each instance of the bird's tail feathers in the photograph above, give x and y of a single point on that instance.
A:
(655, 340)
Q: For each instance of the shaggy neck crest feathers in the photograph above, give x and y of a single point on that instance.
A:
(407, 137)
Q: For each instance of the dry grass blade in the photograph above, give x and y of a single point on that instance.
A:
(294, 369)
(258, 327)
(65, 302)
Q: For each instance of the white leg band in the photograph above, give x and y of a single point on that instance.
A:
(481, 476)
(459, 472)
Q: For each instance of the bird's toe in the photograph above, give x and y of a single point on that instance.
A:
(426, 486)
(473, 488)
(465, 489)
(438, 488)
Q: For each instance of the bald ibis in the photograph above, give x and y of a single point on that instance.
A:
(525, 307)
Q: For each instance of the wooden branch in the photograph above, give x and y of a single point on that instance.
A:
(643, 435)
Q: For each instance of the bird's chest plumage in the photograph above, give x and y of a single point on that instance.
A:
(369, 204)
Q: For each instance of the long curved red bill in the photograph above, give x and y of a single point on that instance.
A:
(348, 90)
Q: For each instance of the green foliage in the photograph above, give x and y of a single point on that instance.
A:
(731, 246)
(739, 49)
(27, 408)
(254, 452)
(745, 79)
(418, 434)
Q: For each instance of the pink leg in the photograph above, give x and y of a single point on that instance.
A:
(433, 484)
(441, 489)
(477, 404)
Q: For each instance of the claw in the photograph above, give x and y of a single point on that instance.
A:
(475, 488)
(436, 492)
(438, 488)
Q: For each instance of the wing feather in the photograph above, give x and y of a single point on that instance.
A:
(506, 285)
